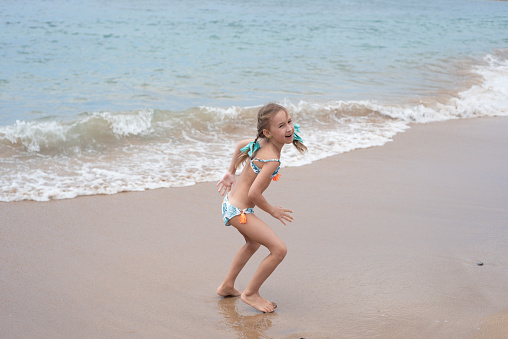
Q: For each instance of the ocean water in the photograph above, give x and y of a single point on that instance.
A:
(101, 97)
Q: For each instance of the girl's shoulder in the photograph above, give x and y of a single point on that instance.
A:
(266, 153)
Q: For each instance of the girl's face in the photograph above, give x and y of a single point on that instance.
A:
(281, 128)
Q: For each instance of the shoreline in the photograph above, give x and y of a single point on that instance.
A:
(385, 242)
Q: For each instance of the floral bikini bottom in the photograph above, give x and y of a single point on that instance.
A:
(229, 211)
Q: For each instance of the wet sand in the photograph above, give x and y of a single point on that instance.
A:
(386, 242)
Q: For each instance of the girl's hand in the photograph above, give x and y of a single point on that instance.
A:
(226, 183)
(282, 214)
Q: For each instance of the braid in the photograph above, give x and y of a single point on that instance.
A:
(300, 146)
(243, 156)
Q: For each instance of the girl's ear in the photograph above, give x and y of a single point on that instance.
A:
(266, 133)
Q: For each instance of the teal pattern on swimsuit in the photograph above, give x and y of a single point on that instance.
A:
(229, 211)
(256, 169)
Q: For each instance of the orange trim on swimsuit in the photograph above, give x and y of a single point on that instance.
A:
(243, 217)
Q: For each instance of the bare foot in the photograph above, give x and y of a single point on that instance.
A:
(258, 302)
(228, 291)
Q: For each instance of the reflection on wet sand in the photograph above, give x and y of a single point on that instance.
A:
(245, 326)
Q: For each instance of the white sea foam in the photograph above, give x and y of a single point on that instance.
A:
(488, 98)
(34, 135)
(107, 153)
(139, 123)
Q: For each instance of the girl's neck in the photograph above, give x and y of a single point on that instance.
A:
(277, 147)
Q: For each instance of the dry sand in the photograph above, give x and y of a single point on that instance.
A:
(385, 243)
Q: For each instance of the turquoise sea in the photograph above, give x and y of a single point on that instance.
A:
(100, 97)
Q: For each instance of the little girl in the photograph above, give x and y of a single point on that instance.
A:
(275, 129)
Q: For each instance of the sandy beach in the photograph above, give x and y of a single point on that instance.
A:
(386, 243)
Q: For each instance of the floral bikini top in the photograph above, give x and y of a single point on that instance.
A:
(275, 175)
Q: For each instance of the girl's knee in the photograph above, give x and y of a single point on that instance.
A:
(280, 251)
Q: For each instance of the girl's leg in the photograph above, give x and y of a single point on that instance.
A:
(227, 288)
(259, 232)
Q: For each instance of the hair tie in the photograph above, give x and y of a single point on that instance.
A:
(296, 135)
(251, 147)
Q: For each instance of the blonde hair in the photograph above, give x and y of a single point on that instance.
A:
(265, 115)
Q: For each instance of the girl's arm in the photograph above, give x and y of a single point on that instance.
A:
(259, 185)
(228, 180)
